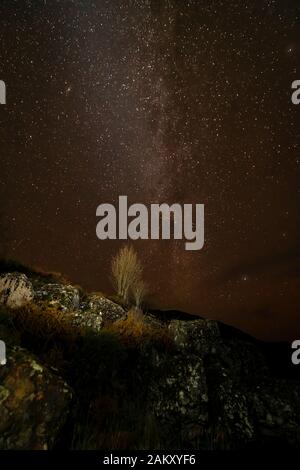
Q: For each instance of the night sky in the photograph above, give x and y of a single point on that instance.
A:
(164, 101)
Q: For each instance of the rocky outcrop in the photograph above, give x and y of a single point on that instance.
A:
(178, 395)
(199, 336)
(276, 407)
(205, 389)
(15, 290)
(34, 403)
(218, 393)
(94, 312)
(63, 297)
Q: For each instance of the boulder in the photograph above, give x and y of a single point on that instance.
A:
(276, 405)
(206, 387)
(198, 335)
(95, 311)
(15, 290)
(178, 396)
(217, 393)
(34, 403)
(63, 297)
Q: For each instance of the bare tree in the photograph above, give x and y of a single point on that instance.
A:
(126, 272)
(139, 291)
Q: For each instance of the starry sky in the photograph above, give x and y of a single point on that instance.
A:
(171, 101)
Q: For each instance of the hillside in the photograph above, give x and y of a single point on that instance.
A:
(83, 372)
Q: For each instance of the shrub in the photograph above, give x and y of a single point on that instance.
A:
(136, 330)
(42, 326)
(126, 272)
(139, 291)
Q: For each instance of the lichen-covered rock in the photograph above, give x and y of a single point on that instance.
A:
(95, 311)
(247, 404)
(178, 394)
(198, 335)
(15, 290)
(276, 406)
(206, 386)
(231, 419)
(34, 403)
(218, 393)
(63, 297)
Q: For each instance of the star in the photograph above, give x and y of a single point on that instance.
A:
(68, 90)
(178, 103)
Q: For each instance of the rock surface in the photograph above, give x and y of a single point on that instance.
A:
(34, 403)
(63, 297)
(205, 389)
(94, 312)
(15, 290)
(221, 389)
